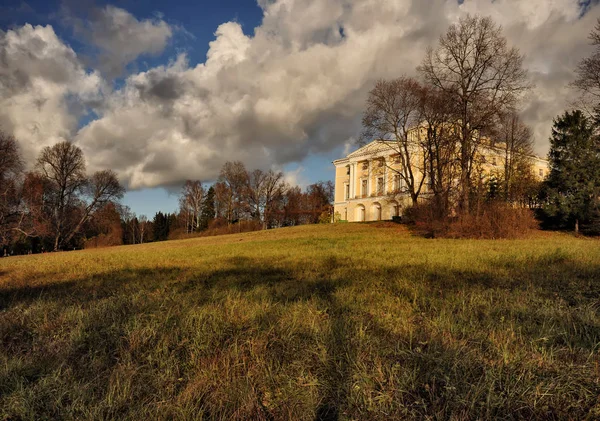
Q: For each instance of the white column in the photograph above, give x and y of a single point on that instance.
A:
(349, 182)
(385, 180)
(354, 180)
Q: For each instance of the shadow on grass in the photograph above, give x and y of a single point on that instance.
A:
(450, 373)
(87, 289)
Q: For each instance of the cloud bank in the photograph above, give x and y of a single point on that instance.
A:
(295, 87)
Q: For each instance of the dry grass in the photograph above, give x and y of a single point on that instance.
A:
(349, 321)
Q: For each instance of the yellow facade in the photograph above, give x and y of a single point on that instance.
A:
(367, 184)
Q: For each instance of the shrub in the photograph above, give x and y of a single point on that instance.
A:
(492, 220)
(104, 240)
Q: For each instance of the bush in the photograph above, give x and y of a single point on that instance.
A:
(494, 220)
(104, 240)
(241, 226)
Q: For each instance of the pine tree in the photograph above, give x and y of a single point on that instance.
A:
(208, 209)
(572, 189)
(160, 227)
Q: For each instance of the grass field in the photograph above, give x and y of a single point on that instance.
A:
(348, 321)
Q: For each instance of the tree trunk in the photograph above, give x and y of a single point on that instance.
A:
(464, 173)
(576, 225)
(415, 199)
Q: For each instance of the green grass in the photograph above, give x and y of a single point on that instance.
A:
(349, 321)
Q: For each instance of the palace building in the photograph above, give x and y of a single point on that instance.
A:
(368, 185)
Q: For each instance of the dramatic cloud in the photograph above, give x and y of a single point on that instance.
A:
(118, 35)
(43, 88)
(297, 86)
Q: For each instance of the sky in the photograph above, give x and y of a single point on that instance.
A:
(162, 92)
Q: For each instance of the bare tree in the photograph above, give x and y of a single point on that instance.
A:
(191, 199)
(129, 219)
(230, 190)
(481, 76)
(517, 147)
(255, 193)
(102, 187)
(62, 166)
(588, 74)
(143, 227)
(393, 111)
(274, 189)
(440, 143)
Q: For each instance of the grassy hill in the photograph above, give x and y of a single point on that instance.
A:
(349, 321)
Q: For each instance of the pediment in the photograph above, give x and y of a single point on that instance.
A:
(370, 149)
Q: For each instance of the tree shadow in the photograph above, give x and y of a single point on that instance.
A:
(437, 363)
(341, 354)
(88, 288)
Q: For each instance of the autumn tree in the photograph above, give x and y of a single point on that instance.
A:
(63, 168)
(440, 145)
(190, 200)
(393, 111)
(103, 229)
(292, 206)
(102, 188)
(34, 207)
(255, 193)
(230, 189)
(71, 195)
(274, 189)
(482, 76)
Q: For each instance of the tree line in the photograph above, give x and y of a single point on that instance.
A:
(240, 200)
(257, 198)
(58, 206)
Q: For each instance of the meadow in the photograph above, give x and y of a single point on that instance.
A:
(328, 322)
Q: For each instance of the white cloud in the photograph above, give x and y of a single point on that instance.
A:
(43, 88)
(297, 86)
(119, 36)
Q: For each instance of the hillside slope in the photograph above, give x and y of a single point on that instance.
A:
(348, 321)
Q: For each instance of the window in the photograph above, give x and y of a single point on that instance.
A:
(381, 162)
(397, 181)
(363, 190)
(494, 160)
(380, 185)
(365, 166)
(541, 172)
(397, 159)
(347, 169)
(347, 186)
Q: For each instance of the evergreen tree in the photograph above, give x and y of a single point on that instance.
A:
(572, 189)
(161, 227)
(208, 209)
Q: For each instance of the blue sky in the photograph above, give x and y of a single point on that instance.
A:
(198, 21)
(165, 91)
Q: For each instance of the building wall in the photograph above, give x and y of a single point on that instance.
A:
(352, 202)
